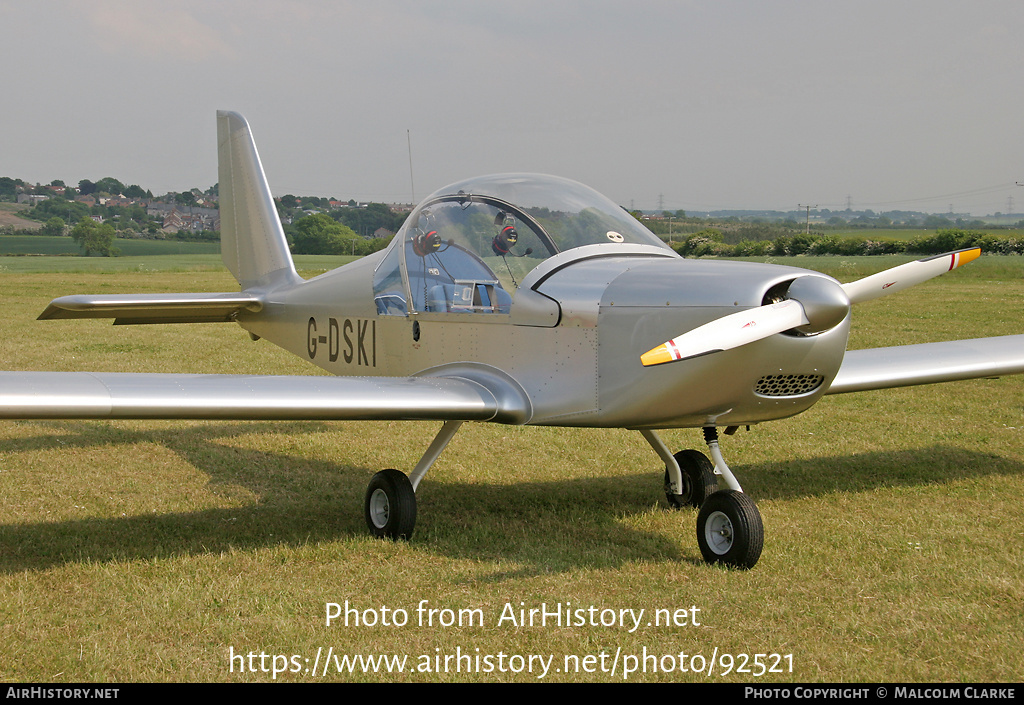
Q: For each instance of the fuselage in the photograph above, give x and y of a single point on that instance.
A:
(572, 337)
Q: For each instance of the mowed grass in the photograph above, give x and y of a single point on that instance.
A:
(148, 551)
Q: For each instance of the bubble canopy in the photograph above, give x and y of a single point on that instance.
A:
(478, 238)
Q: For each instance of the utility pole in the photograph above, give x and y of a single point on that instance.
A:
(808, 230)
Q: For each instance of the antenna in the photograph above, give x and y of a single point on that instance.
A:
(412, 184)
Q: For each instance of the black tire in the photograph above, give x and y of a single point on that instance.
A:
(729, 530)
(699, 480)
(390, 505)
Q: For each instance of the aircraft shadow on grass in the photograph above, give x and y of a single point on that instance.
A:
(303, 501)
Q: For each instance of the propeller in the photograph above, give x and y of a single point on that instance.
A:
(906, 275)
(811, 304)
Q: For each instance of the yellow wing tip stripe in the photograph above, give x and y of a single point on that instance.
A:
(656, 356)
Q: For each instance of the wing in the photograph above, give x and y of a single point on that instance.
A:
(88, 395)
(907, 365)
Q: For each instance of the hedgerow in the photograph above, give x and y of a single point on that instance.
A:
(710, 242)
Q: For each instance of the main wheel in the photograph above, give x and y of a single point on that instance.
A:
(729, 530)
(390, 505)
(699, 480)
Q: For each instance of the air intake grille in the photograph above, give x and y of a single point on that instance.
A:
(787, 385)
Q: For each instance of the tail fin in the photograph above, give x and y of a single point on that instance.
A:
(253, 244)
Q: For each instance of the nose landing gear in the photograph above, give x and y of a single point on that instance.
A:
(729, 526)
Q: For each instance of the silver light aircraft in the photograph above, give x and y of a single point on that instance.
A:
(516, 299)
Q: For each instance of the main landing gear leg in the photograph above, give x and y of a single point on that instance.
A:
(390, 504)
(729, 527)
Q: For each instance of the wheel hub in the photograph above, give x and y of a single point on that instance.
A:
(719, 533)
(380, 509)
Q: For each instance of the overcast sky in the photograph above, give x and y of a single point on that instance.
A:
(703, 104)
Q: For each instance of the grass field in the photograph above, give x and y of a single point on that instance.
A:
(308, 265)
(152, 551)
(48, 246)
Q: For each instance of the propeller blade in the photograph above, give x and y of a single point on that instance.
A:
(907, 275)
(729, 332)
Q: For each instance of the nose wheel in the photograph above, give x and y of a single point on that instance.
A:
(729, 529)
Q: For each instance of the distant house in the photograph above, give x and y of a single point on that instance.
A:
(158, 209)
(194, 220)
(172, 222)
(117, 202)
(31, 198)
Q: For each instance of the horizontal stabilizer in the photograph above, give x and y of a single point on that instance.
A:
(908, 365)
(87, 395)
(153, 308)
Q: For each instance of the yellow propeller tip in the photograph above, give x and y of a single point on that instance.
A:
(656, 356)
(966, 256)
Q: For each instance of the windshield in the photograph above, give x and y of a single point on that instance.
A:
(477, 239)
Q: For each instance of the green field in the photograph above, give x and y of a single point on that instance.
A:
(49, 246)
(308, 265)
(988, 268)
(152, 551)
